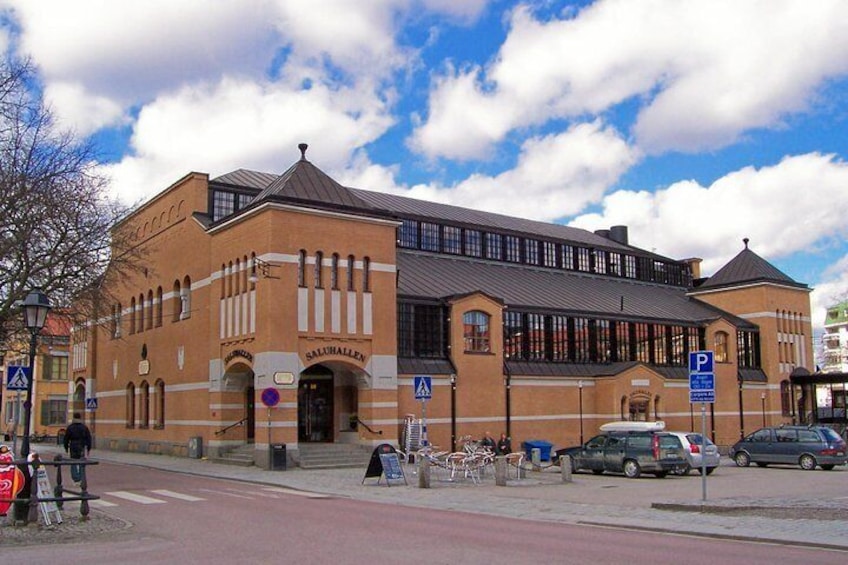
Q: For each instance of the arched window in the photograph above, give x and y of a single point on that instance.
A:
(140, 305)
(350, 263)
(149, 324)
(130, 405)
(144, 405)
(132, 315)
(177, 301)
(785, 398)
(159, 405)
(366, 274)
(159, 307)
(720, 347)
(319, 260)
(185, 298)
(475, 331)
(301, 268)
(334, 272)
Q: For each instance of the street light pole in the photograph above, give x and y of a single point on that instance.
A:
(580, 402)
(35, 308)
(763, 398)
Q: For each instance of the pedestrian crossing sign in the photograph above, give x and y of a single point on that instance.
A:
(91, 404)
(423, 387)
(17, 377)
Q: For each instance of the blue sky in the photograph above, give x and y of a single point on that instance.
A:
(694, 122)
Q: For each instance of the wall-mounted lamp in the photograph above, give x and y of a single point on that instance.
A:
(260, 267)
(763, 399)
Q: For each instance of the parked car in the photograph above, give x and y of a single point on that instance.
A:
(630, 448)
(697, 454)
(807, 446)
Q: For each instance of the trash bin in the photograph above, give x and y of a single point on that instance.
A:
(543, 446)
(278, 457)
(195, 447)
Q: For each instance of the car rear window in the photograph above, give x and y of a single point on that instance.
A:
(831, 435)
(697, 439)
(808, 436)
(669, 442)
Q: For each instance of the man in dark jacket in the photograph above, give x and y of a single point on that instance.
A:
(77, 444)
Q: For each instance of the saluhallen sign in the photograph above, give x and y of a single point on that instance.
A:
(333, 350)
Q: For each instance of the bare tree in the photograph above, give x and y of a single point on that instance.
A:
(56, 218)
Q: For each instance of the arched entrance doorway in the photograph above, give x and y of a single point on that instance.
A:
(238, 382)
(78, 401)
(327, 402)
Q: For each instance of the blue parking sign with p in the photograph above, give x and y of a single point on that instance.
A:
(700, 361)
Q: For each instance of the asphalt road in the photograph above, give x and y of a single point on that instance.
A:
(181, 518)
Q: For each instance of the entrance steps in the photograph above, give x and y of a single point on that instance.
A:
(242, 456)
(333, 455)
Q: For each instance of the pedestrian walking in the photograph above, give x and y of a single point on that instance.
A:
(77, 445)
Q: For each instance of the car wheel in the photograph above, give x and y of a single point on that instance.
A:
(598, 471)
(710, 470)
(807, 462)
(632, 469)
(742, 459)
(828, 467)
(683, 471)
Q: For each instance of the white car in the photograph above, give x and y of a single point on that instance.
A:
(695, 452)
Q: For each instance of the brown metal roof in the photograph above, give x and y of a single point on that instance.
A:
(746, 268)
(426, 275)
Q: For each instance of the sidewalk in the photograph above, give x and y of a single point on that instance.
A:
(609, 501)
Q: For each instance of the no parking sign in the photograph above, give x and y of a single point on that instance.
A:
(270, 397)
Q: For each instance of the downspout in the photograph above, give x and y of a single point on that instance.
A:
(508, 386)
(741, 409)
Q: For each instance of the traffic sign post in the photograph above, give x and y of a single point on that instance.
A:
(423, 387)
(702, 389)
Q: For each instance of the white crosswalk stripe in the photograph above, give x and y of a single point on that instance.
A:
(100, 503)
(177, 495)
(133, 497)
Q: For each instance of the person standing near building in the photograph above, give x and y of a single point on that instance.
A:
(504, 445)
(77, 444)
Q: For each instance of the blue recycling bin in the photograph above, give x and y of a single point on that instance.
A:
(543, 446)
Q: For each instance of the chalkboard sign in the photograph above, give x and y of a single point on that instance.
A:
(384, 461)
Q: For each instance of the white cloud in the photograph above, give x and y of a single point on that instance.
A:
(240, 124)
(702, 72)
(793, 206)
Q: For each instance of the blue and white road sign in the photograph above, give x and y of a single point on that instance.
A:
(17, 377)
(701, 376)
(423, 387)
(91, 404)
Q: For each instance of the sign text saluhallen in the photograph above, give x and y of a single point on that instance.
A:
(335, 350)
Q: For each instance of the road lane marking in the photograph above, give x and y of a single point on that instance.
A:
(101, 503)
(177, 495)
(132, 497)
(296, 492)
(226, 493)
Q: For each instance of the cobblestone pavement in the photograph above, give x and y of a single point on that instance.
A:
(673, 504)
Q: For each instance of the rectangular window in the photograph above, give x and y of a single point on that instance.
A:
(621, 334)
(513, 248)
(421, 331)
(531, 251)
(615, 264)
(559, 338)
(583, 260)
(629, 266)
(748, 349)
(582, 341)
(513, 335)
(494, 246)
(54, 411)
(568, 257)
(223, 204)
(603, 353)
(659, 338)
(549, 254)
(430, 240)
(55, 368)
(600, 262)
(408, 237)
(473, 243)
(535, 337)
(641, 342)
(453, 240)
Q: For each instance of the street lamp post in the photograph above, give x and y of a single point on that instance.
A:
(580, 403)
(35, 308)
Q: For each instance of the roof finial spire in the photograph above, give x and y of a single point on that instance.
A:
(745, 240)
(302, 147)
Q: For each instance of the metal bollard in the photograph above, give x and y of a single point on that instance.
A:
(500, 471)
(423, 472)
(565, 466)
